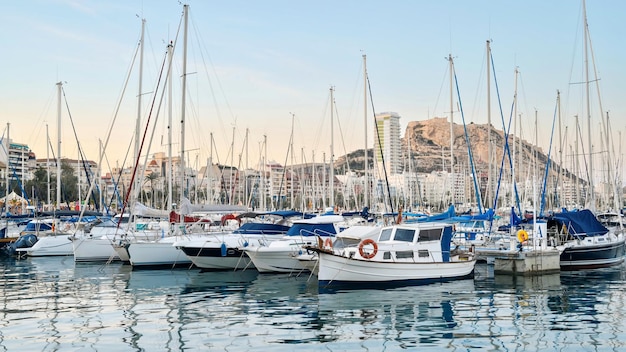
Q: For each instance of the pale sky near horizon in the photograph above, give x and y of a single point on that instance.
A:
(252, 64)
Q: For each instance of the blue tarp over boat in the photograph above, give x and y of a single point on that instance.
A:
(582, 222)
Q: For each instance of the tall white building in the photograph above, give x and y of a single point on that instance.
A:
(387, 143)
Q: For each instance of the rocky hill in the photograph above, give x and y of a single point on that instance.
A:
(430, 149)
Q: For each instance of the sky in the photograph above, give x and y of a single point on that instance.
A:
(265, 69)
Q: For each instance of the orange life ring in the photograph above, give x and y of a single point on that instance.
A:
(364, 243)
(328, 243)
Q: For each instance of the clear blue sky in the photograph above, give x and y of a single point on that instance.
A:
(254, 63)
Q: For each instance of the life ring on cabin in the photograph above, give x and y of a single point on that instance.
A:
(328, 243)
(365, 254)
(522, 236)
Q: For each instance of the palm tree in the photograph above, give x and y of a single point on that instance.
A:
(152, 177)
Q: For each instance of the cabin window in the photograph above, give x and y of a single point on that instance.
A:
(423, 253)
(405, 235)
(385, 234)
(386, 255)
(429, 235)
(404, 254)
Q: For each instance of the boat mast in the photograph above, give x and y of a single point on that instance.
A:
(451, 115)
(263, 189)
(592, 196)
(451, 125)
(170, 53)
(366, 183)
(59, 88)
(47, 162)
(331, 183)
(6, 176)
(513, 169)
(489, 186)
(136, 186)
(182, 114)
(291, 176)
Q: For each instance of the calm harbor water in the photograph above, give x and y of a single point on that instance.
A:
(51, 304)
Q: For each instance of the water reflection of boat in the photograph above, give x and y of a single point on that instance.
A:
(210, 280)
(430, 309)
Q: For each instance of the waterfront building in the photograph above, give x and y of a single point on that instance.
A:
(387, 143)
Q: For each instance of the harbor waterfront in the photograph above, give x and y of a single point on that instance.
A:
(53, 303)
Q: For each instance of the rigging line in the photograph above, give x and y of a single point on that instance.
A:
(106, 143)
(219, 83)
(443, 81)
(507, 148)
(132, 180)
(380, 146)
(345, 151)
(282, 179)
(469, 148)
(545, 177)
(85, 165)
(582, 146)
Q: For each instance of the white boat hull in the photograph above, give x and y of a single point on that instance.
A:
(338, 270)
(155, 254)
(51, 245)
(91, 249)
(277, 259)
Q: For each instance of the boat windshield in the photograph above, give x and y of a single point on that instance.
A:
(430, 235)
(404, 235)
(385, 234)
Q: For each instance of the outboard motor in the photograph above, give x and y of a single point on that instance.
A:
(25, 241)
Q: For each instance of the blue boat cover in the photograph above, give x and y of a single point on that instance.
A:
(448, 214)
(261, 228)
(581, 222)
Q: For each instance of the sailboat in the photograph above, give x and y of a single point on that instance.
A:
(590, 244)
(53, 241)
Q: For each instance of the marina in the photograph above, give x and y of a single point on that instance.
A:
(264, 225)
(53, 303)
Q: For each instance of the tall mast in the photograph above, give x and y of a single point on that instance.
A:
(246, 190)
(331, 183)
(182, 114)
(47, 162)
(558, 99)
(232, 169)
(592, 194)
(513, 170)
(170, 53)
(136, 186)
(451, 115)
(6, 175)
(101, 198)
(263, 190)
(292, 161)
(59, 88)
(577, 159)
(366, 188)
(489, 186)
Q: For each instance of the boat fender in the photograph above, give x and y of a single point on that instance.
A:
(223, 249)
(522, 236)
(364, 243)
(328, 243)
